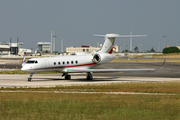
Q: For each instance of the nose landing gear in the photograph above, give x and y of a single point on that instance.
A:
(30, 78)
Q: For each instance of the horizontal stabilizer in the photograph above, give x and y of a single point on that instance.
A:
(118, 36)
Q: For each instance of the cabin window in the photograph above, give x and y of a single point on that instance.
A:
(76, 62)
(72, 62)
(54, 63)
(67, 62)
(59, 63)
(63, 63)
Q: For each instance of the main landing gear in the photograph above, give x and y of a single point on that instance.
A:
(67, 77)
(30, 78)
(89, 76)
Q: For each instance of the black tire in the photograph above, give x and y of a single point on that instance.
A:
(29, 79)
(89, 78)
(68, 77)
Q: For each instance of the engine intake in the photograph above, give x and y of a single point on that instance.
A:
(96, 58)
(100, 58)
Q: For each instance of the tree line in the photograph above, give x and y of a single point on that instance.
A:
(171, 50)
(136, 49)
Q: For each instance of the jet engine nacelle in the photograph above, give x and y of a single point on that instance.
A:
(102, 57)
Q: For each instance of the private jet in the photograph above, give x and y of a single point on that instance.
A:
(79, 62)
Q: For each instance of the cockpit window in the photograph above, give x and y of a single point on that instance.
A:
(32, 61)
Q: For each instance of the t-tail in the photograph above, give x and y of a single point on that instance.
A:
(109, 41)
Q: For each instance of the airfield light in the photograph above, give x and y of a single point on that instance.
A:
(140, 45)
(164, 36)
(131, 41)
(51, 39)
(62, 45)
(54, 41)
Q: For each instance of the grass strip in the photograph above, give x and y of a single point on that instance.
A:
(141, 87)
(87, 106)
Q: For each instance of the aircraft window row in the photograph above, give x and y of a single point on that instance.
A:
(32, 61)
(72, 62)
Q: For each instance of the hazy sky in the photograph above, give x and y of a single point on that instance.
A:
(77, 20)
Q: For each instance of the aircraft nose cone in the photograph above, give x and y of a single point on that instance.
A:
(22, 69)
(25, 69)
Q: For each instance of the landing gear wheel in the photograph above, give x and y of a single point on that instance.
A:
(67, 77)
(29, 79)
(89, 76)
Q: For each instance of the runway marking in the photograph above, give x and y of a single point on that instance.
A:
(115, 93)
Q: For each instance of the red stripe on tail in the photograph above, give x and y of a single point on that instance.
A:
(110, 52)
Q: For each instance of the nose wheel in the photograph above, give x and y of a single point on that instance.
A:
(30, 78)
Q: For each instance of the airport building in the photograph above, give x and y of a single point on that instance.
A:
(73, 49)
(24, 51)
(10, 48)
(44, 46)
(87, 49)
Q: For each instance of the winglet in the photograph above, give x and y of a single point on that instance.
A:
(23, 61)
(161, 65)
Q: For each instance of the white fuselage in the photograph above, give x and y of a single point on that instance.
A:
(78, 62)
(62, 63)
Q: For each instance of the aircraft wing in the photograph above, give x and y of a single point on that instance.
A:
(115, 70)
(107, 70)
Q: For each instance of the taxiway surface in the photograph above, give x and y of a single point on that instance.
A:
(170, 72)
(49, 80)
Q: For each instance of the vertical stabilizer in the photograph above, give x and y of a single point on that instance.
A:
(108, 45)
(109, 41)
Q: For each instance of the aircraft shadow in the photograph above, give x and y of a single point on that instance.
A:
(46, 79)
(80, 80)
(85, 80)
